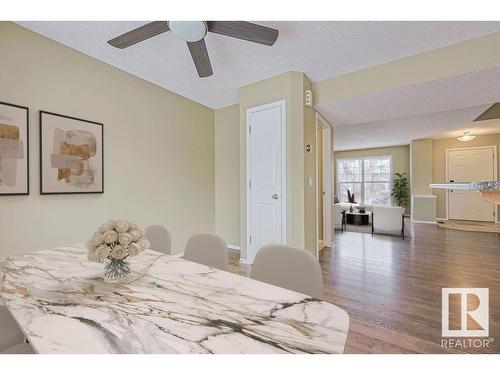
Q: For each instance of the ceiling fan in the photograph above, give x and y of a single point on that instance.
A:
(193, 32)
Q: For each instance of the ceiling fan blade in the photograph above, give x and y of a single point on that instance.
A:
(201, 59)
(138, 35)
(491, 113)
(244, 30)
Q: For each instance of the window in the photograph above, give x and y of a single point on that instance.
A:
(368, 178)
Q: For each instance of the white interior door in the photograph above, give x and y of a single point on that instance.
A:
(468, 165)
(266, 203)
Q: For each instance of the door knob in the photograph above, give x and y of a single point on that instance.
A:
(275, 196)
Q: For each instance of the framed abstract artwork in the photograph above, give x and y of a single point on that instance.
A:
(71, 155)
(14, 149)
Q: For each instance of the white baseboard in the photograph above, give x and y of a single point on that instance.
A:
(229, 246)
(245, 261)
(445, 219)
(238, 248)
(423, 222)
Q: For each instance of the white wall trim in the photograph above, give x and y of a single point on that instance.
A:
(328, 131)
(423, 222)
(323, 120)
(234, 247)
(445, 219)
(249, 111)
(245, 261)
(410, 177)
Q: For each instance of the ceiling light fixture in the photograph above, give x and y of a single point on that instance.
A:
(466, 137)
(189, 31)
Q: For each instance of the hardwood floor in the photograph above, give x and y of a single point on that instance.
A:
(391, 288)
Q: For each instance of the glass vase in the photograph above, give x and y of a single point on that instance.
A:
(116, 270)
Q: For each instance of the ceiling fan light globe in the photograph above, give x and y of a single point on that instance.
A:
(466, 137)
(189, 31)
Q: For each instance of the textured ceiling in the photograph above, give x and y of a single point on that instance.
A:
(394, 117)
(466, 90)
(401, 131)
(320, 49)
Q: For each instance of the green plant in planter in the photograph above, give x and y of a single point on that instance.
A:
(400, 190)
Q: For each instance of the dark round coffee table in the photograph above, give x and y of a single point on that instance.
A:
(358, 218)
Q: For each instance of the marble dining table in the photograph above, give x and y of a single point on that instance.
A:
(169, 305)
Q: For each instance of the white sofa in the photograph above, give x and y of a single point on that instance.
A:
(385, 219)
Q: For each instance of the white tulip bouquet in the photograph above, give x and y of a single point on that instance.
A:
(112, 243)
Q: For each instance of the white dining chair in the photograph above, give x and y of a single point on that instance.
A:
(208, 249)
(160, 238)
(11, 337)
(290, 268)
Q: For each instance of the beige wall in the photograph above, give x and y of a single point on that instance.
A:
(227, 174)
(159, 147)
(230, 157)
(400, 158)
(439, 147)
(310, 192)
(290, 87)
(421, 166)
(421, 176)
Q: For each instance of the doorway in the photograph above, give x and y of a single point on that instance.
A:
(266, 183)
(469, 165)
(324, 173)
